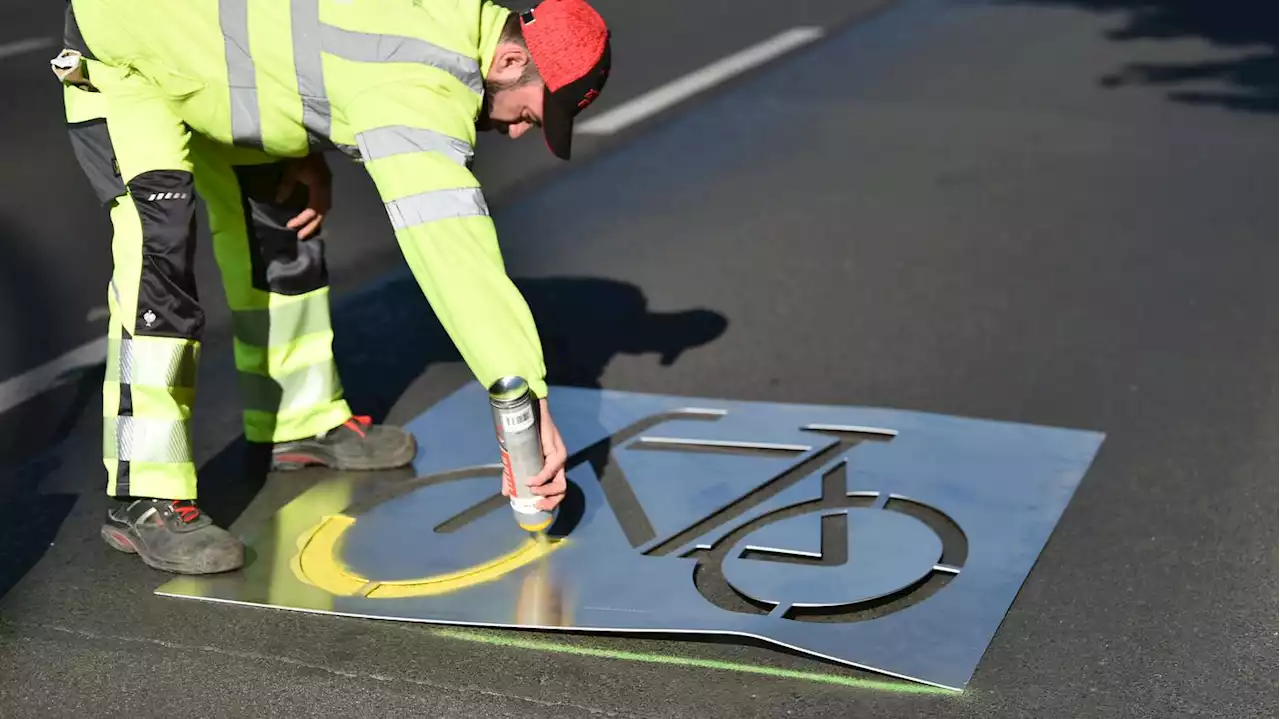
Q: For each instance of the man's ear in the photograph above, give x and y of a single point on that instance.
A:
(509, 61)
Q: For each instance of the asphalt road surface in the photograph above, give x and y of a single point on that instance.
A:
(1058, 212)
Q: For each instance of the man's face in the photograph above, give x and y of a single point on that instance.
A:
(513, 112)
(513, 93)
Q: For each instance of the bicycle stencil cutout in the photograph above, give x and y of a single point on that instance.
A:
(887, 540)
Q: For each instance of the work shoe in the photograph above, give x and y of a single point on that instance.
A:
(172, 535)
(355, 444)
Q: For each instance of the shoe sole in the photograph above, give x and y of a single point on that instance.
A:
(298, 459)
(122, 542)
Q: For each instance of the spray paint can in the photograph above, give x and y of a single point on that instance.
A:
(517, 423)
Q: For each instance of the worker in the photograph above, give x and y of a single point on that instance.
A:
(401, 88)
(275, 280)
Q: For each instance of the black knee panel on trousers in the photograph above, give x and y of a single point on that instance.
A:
(168, 304)
(280, 262)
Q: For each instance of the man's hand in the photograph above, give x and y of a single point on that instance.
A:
(313, 172)
(550, 483)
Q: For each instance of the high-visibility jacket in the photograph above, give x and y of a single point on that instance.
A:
(397, 84)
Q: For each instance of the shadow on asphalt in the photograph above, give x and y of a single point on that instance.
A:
(1245, 82)
(29, 518)
(385, 338)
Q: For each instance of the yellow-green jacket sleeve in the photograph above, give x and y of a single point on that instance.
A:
(416, 149)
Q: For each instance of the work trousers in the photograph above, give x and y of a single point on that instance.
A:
(276, 287)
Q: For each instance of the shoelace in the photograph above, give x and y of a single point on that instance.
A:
(187, 510)
(358, 424)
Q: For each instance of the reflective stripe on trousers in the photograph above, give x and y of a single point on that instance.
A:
(154, 362)
(158, 375)
(299, 390)
(134, 439)
(289, 382)
(148, 391)
(283, 323)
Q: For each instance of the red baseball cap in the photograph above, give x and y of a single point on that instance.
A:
(569, 43)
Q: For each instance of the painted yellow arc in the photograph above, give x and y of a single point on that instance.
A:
(316, 563)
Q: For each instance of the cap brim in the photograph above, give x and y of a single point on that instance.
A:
(557, 124)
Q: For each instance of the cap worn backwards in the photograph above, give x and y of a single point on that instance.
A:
(569, 43)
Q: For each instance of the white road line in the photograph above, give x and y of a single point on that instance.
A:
(31, 44)
(661, 98)
(16, 390)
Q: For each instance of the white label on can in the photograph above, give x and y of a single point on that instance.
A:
(518, 421)
(525, 505)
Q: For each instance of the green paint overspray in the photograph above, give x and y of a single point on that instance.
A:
(546, 646)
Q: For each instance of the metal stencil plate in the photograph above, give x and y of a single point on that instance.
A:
(888, 540)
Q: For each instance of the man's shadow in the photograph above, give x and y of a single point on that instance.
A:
(386, 337)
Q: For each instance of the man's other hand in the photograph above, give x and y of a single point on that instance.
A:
(550, 484)
(313, 172)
